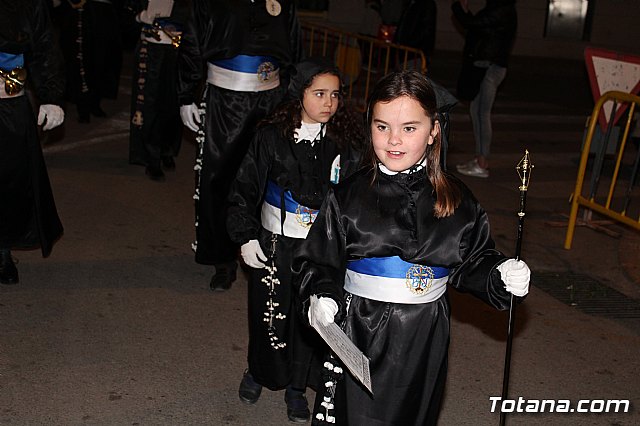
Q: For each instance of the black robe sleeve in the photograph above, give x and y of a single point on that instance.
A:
(246, 193)
(191, 65)
(477, 274)
(320, 265)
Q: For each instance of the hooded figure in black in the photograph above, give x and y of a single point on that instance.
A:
(300, 150)
(28, 55)
(242, 48)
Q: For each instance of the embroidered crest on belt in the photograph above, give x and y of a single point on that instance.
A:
(265, 71)
(305, 216)
(419, 279)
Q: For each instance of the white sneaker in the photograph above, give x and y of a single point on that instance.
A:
(472, 168)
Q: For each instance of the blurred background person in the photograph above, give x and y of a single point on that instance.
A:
(487, 47)
(417, 26)
(155, 128)
(90, 38)
(28, 55)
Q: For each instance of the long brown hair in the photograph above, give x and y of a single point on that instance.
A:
(416, 86)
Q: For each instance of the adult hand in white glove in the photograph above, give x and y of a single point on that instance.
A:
(516, 275)
(190, 115)
(324, 309)
(145, 17)
(50, 115)
(253, 255)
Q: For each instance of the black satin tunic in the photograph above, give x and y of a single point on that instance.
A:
(305, 170)
(301, 168)
(407, 344)
(222, 29)
(28, 216)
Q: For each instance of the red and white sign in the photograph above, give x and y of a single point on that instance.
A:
(609, 70)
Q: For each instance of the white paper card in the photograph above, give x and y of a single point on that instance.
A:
(352, 358)
(160, 8)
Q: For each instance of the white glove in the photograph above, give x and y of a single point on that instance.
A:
(516, 275)
(324, 309)
(190, 115)
(145, 17)
(52, 114)
(253, 255)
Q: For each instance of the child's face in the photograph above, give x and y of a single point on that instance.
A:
(401, 131)
(320, 100)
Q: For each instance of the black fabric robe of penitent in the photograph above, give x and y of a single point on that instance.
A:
(28, 216)
(305, 170)
(392, 215)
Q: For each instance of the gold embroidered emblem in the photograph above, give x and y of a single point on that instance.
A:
(305, 216)
(265, 70)
(419, 279)
(14, 80)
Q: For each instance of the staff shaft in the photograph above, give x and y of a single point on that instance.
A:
(513, 301)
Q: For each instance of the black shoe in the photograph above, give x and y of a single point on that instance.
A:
(168, 163)
(223, 278)
(155, 173)
(297, 406)
(8, 270)
(249, 391)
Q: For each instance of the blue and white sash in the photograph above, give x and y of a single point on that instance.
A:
(244, 73)
(391, 279)
(297, 218)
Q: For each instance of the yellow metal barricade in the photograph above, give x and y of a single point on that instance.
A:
(620, 202)
(362, 60)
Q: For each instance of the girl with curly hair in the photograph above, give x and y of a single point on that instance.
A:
(304, 147)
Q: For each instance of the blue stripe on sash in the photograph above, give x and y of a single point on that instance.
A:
(245, 63)
(9, 61)
(390, 267)
(273, 196)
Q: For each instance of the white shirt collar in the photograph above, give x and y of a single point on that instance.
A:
(309, 132)
(411, 169)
